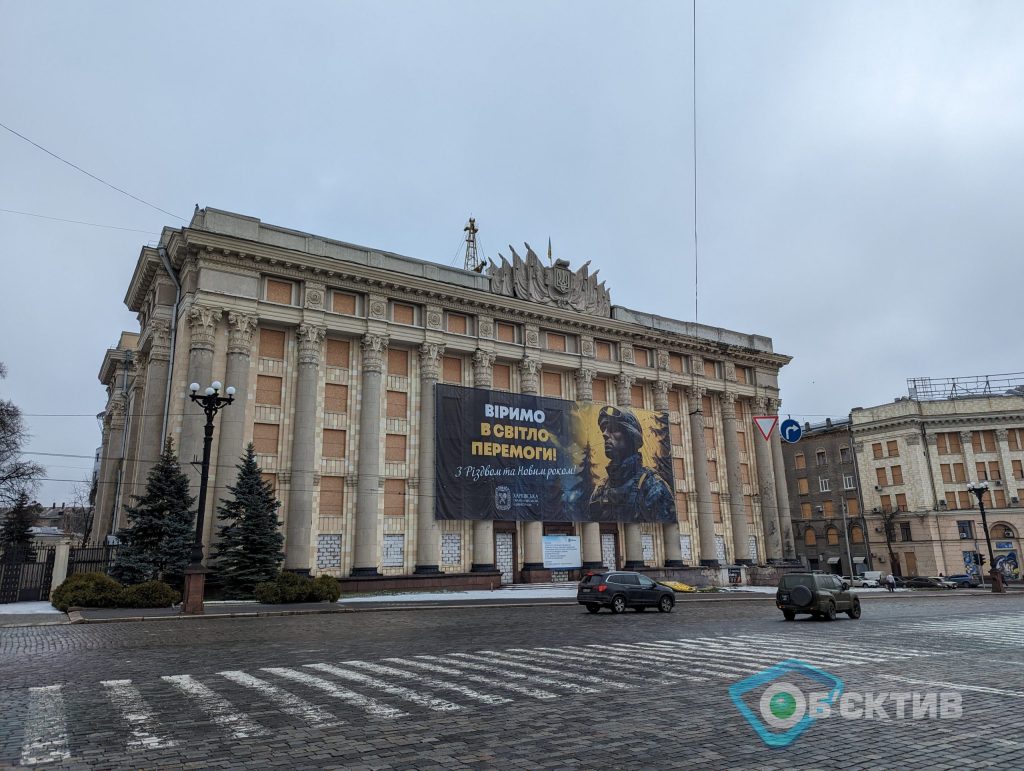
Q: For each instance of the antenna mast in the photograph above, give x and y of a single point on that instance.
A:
(472, 260)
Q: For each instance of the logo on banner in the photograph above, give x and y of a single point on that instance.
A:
(502, 498)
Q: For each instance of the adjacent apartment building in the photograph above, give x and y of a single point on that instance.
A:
(336, 352)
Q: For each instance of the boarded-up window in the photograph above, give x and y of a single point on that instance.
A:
(802, 486)
(270, 479)
(555, 341)
(833, 536)
(398, 362)
(741, 439)
(901, 501)
(338, 353)
(852, 506)
(742, 375)
(682, 508)
(458, 324)
(994, 471)
(674, 403)
(602, 350)
(505, 332)
(264, 436)
(403, 314)
(271, 344)
(886, 501)
(1015, 438)
(675, 363)
(948, 443)
(332, 496)
(716, 507)
(966, 499)
(856, 534)
(451, 370)
(892, 448)
(501, 377)
(876, 449)
(826, 507)
(999, 498)
(675, 431)
(268, 390)
(806, 511)
(947, 472)
(705, 406)
(984, 441)
(344, 302)
(713, 470)
(644, 357)
(1018, 469)
(398, 404)
(334, 443)
(636, 395)
(710, 368)
(394, 497)
(959, 472)
(897, 475)
(552, 383)
(881, 477)
(678, 469)
(709, 437)
(800, 460)
(600, 390)
(810, 539)
(745, 473)
(336, 397)
(279, 291)
(394, 448)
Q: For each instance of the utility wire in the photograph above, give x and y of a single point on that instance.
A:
(78, 222)
(93, 176)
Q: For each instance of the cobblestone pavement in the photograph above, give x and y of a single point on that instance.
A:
(537, 687)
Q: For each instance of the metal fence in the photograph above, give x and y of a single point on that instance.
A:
(25, 573)
(91, 559)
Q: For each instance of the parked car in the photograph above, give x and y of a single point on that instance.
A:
(965, 580)
(924, 582)
(859, 581)
(820, 594)
(621, 589)
(945, 582)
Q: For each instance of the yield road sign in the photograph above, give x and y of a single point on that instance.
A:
(790, 431)
(766, 424)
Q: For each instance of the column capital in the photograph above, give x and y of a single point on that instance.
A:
(661, 394)
(202, 322)
(374, 347)
(965, 437)
(624, 388)
(584, 384)
(728, 404)
(241, 328)
(311, 343)
(483, 368)
(160, 335)
(695, 397)
(529, 373)
(932, 439)
(115, 413)
(1002, 434)
(430, 360)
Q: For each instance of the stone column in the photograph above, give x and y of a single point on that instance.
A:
(766, 491)
(130, 484)
(935, 467)
(428, 536)
(781, 491)
(110, 465)
(1005, 463)
(669, 530)
(634, 544)
(533, 532)
(202, 323)
(737, 512)
(298, 551)
(702, 484)
(483, 529)
(369, 481)
(241, 328)
(151, 439)
(590, 531)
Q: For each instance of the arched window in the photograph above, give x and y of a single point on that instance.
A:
(856, 534)
(809, 537)
(822, 457)
(833, 536)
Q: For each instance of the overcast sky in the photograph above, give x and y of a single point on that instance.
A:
(859, 167)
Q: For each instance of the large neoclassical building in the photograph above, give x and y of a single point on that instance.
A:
(337, 352)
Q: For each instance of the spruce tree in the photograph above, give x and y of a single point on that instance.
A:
(157, 543)
(15, 535)
(250, 548)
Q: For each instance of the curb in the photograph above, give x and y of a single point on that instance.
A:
(77, 618)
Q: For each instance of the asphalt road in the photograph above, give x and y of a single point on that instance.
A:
(523, 687)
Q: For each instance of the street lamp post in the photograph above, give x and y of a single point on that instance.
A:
(979, 489)
(195, 574)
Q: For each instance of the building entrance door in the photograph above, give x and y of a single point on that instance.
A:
(911, 559)
(505, 555)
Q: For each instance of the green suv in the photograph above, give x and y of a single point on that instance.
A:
(822, 595)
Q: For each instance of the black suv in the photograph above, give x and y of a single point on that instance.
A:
(620, 589)
(820, 594)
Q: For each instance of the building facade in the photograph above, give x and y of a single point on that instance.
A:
(915, 459)
(335, 351)
(827, 513)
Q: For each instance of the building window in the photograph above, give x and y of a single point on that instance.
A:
(844, 455)
(886, 501)
(676, 363)
(892, 448)
(600, 391)
(901, 501)
(336, 397)
(277, 290)
(605, 351)
(881, 478)
(983, 441)
(805, 511)
(334, 443)
(398, 362)
(852, 506)
(905, 531)
(827, 508)
(965, 528)
(501, 377)
(394, 448)
(948, 443)
(876, 449)
(346, 303)
(508, 333)
(337, 352)
(801, 486)
(393, 551)
(1015, 438)
(897, 475)
(397, 404)
(856, 534)
(712, 369)
(551, 383)
(556, 341)
(799, 460)
(824, 485)
(268, 390)
(264, 437)
(809, 538)
(271, 344)
(821, 457)
(636, 396)
(832, 536)
(1018, 469)
(403, 313)
(451, 370)
(643, 357)
(848, 483)
(458, 323)
(744, 375)
(394, 497)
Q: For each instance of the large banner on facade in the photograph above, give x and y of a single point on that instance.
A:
(506, 456)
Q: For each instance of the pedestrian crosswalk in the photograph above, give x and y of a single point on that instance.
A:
(145, 715)
(999, 629)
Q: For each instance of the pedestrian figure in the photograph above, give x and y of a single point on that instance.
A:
(890, 583)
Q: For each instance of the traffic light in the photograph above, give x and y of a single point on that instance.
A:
(982, 559)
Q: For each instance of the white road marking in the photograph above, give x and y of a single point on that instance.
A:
(706, 660)
(955, 686)
(425, 664)
(290, 703)
(220, 710)
(653, 659)
(513, 660)
(430, 682)
(46, 733)
(616, 660)
(372, 706)
(143, 726)
(464, 660)
(431, 702)
(777, 649)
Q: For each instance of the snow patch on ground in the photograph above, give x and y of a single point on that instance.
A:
(27, 608)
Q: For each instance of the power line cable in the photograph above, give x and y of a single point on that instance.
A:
(79, 222)
(93, 176)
